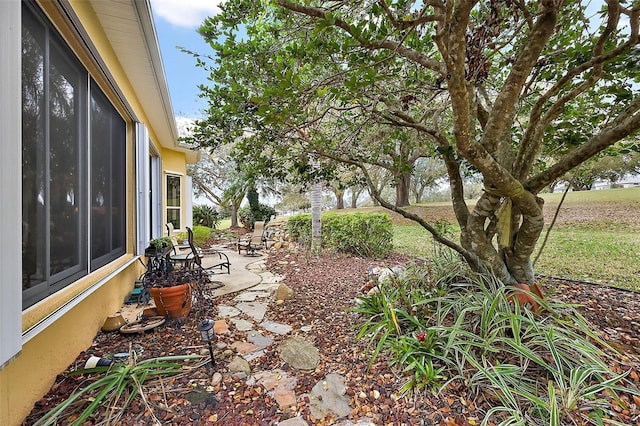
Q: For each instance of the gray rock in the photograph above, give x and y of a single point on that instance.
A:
(284, 292)
(329, 396)
(238, 364)
(300, 354)
(253, 355)
(259, 340)
(251, 296)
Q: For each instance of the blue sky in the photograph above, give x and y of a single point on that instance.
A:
(176, 22)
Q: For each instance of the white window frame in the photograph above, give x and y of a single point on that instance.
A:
(143, 214)
(188, 201)
(158, 226)
(179, 208)
(11, 181)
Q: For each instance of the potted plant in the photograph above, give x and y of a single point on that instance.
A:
(157, 245)
(172, 291)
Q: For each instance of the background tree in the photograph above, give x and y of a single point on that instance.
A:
(425, 175)
(492, 87)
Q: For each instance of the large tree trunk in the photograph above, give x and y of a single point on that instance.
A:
(339, 193)
(316, 225)
(403, 183)
(234, 216)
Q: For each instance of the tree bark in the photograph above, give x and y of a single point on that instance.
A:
(403, 183)
(316, 225)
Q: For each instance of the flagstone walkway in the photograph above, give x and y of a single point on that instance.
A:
(246, 314)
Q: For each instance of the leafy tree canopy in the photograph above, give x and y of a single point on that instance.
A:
(518, 92)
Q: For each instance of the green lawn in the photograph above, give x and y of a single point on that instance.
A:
(601, 249)
(596, 239)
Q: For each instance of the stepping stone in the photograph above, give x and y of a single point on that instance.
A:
(329, 396)
(253, 355)
(300, 354)
(362, 422)
(270, 287)
(280, 386)
(275, 327)
(255, 310)
(268, 277)
(259, 340)
(227, 311)
(220, 327)
(242, 324)
(243, 347)
(294, 421)
(250, 296)
(306, 328)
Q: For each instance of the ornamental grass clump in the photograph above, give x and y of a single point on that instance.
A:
(113, 387)
(537, 369)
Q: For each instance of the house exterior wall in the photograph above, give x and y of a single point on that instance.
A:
(58, 328)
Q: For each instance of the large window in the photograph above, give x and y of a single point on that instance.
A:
(173, 200)
(108, 137)
(62, 140)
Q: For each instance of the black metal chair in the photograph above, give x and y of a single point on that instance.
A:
(193, 259)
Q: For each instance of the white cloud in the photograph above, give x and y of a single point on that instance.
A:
(185, 13)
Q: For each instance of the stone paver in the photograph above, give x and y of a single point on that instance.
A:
(221, 327)
(251, 296)
(225, 311)
(329, 396)
(253, 355)
(255, 310)
(294, 421)
(275, 327)
(242, 324)
(259, 339)
(280, 385)
(244, 347)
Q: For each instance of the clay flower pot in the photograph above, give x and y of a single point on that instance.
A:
(172, 302)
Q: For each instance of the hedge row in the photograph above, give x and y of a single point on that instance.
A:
(361, 234)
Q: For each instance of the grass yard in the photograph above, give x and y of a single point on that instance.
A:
(596, 238)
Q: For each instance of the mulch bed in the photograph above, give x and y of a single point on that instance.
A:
(324, 290)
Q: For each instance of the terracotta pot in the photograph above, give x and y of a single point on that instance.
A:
(172, 302)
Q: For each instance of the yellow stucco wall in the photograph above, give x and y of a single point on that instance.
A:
(28, 377)
(174, 163)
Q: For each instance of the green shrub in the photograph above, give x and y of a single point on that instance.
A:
(366, 235)
(248, 216)
(206, 216)
(200, 235)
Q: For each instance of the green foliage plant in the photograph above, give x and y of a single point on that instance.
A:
(116, 388)
(200, 234)
(160, 242)
(249, 216)
(455, 324)
(360, 234)
(206, 215)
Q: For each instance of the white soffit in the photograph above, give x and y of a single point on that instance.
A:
(128, 24)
